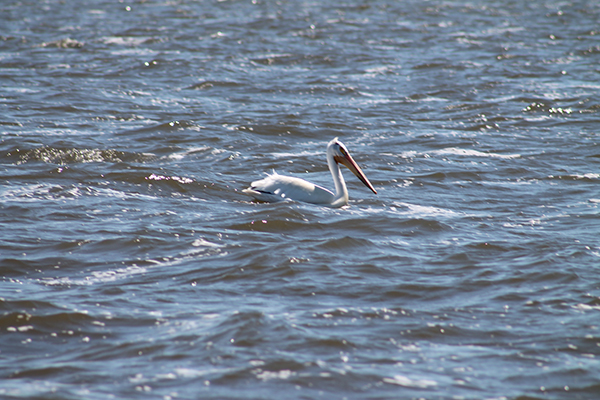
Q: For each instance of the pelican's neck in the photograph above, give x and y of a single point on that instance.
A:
(341, 193)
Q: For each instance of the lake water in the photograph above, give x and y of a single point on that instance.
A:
(134, 268)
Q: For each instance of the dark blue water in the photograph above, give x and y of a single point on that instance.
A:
(133, 266)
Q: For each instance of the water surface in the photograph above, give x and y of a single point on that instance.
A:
(133, 266)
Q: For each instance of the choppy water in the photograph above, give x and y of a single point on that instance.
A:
(133, 267)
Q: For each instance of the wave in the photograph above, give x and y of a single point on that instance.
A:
(65, 155)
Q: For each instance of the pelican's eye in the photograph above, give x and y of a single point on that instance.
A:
(343, 151)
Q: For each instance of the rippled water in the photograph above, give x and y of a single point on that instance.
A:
(133, 266)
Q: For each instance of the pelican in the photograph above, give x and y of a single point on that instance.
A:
(277, 187)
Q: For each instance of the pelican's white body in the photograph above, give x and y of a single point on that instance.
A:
(277, 187)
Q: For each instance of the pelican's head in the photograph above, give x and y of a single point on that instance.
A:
(341, 155)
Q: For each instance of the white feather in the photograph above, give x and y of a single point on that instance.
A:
(277, 187)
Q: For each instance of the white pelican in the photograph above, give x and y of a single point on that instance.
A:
(277, 187)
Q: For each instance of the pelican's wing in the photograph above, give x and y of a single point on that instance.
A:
(277, 187)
